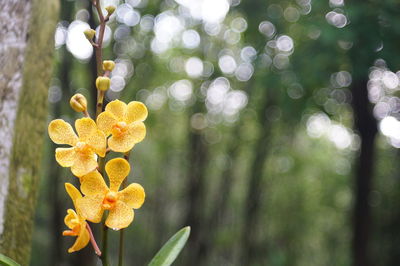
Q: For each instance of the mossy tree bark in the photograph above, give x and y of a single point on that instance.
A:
(26, 53)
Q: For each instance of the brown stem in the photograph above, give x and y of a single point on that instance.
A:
(100, 98)
(86, 114)
(93, 241)
(99, 52)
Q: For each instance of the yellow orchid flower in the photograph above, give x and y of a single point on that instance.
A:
(75, 222)
(124, 123)
(81, 157)
(99, 197)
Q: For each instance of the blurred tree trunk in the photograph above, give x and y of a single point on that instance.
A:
(366, 127)
(249, 239)
(26, 52)
(198, 158)
(364, 23)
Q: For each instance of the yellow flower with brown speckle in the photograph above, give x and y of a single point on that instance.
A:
(124, 123)
(99, 197)
(81, 157)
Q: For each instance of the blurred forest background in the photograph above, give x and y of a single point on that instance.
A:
(273, 129)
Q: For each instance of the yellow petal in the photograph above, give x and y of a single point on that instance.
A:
(84, 165)
(82, 240)
(120, 143)
(66, 156)
(90, 134)
(73, 192)
(125, 142)
(91, 207)
(85, 128)
(117, 108)
(93, 183)
(133, 195)
(117, 169)
(61, 132)
(71, 219)
(137, 131)
(98, 142)
(105, 122)
(120, 216)
(136, 111)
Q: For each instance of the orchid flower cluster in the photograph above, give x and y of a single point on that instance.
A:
(116, 128)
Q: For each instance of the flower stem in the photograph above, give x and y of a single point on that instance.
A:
(99, 108)
(105, 245)
(93, 241)
(122, 231)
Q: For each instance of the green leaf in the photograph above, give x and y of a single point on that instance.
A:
(4, 260)
(168, 253)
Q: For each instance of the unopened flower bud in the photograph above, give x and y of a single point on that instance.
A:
(78, 103)
(108, 65)
(90, 33)
(103, 83)
(110, 10)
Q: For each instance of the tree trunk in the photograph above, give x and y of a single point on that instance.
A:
(252, 207)
(366, 126)
(198, 156)
(365, 28)
(26, 51)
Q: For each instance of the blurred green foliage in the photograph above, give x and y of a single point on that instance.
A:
(252, 139)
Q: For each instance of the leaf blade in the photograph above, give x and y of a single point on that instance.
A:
(4, 260)
(170, 251)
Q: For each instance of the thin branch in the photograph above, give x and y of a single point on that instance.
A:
(93, 241)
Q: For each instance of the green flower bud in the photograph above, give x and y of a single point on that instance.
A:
(108, 65)
(103, 83)
(90, 33)
(110, 10)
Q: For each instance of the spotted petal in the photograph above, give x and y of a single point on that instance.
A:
(66, 157)
(83, 165)
(93, 183)
(117, 170)
(73, 192)
(125, 142)
(85, 128)
(136, 111)
(117, 108)
(91, 207)
(98, 142)
(61, 132)
(133, 195)
(71, 218)
(82, 240)
(106, 121)
(120, 216)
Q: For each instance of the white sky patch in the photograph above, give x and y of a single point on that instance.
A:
(227, 64)
(194, 67)
(390, 127)
(284, 43)
(167, 28)
(210, 11)
(77, 43)
(182, 90)
(190, 39)
(390, 80)
(320, 125)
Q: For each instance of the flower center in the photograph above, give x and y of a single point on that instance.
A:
(119, 128)
(109, 200)
(75, 230)
(83, 147)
